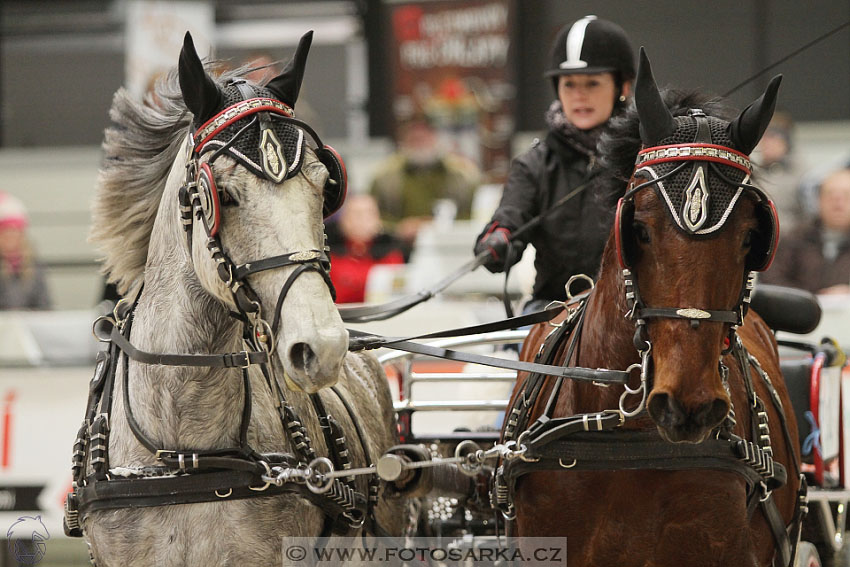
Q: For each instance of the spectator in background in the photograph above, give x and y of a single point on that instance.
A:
(817, 256)
(357, 243)
(780, 170)
(409, 183)
(22, 281)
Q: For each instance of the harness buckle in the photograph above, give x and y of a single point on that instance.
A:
(247, 359)
(164, 453)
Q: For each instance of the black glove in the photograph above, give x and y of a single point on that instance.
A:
(496, 241)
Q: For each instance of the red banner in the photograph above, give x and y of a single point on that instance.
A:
(452, 65)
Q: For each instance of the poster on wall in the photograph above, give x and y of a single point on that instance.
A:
(154, 37)
(451, 67)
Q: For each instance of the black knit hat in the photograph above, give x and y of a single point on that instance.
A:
(592, 45)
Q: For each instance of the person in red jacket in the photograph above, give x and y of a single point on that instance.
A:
(357, 242)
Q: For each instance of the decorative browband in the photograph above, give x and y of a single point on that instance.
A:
(236, 112)
(701, 152)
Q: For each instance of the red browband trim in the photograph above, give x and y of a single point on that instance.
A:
(694, 152)
(237, 112)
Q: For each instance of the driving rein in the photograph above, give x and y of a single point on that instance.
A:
(188, 475)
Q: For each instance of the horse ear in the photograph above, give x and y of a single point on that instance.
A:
(746, 130)
(287, 85)
(656, 121)
(200, 93)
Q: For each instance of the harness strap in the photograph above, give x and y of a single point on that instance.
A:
(601, 375)
(289, 259)
(361, 340)
(633, 450)
(213, 486)
(519, 414)
(688, 313)
(228, 360)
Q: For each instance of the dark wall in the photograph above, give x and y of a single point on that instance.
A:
(57, 97)
(61, 95)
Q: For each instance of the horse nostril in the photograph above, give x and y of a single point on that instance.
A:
(665, 411)
(712, 413)
(302, 357)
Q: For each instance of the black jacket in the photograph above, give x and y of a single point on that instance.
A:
(570, 240)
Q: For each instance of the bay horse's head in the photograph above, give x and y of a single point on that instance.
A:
(689, 231)
(253, 205)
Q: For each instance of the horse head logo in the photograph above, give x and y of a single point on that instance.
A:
(27, 539)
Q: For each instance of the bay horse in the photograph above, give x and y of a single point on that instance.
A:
(693, 461)
(227, 398)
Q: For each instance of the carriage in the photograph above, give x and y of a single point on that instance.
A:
(233, 405)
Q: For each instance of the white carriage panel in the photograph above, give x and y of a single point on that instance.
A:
(828, 411)
(41, 411)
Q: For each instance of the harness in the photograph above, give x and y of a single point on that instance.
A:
(597, 440)
(184, 476)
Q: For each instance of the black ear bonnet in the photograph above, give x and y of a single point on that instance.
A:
(270, 143)
(700, 179)
(698, 166)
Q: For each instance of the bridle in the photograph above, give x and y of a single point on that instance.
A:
(200, 198)
(704, 158)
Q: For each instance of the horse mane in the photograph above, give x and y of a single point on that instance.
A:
(139, 149)
(620, 143)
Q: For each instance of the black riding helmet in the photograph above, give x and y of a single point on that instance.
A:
(591, 45)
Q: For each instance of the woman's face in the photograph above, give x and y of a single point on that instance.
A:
(588, 100)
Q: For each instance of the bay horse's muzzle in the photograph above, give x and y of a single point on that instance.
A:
(678, 423)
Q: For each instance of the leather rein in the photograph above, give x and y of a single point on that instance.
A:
(207, 475)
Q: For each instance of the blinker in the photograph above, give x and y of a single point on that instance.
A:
(274, 163)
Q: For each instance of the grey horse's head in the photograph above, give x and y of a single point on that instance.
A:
(263, 194)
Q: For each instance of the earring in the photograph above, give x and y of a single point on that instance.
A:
(622, 98)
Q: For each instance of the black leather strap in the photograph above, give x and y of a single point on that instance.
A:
(602, 375)
(359, 340)
(633, 450)
(303, 257)
(725, 316)
(227, 360)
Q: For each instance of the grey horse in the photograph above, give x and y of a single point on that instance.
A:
(184, 306)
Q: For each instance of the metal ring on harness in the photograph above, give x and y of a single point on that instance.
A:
(94, 326)
(577, 277)
(472, 463)
(316, 475)
(520, 453)
(267, 475)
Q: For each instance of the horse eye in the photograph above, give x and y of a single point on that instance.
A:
(641, 233)
(226, 198)
(748, 240)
